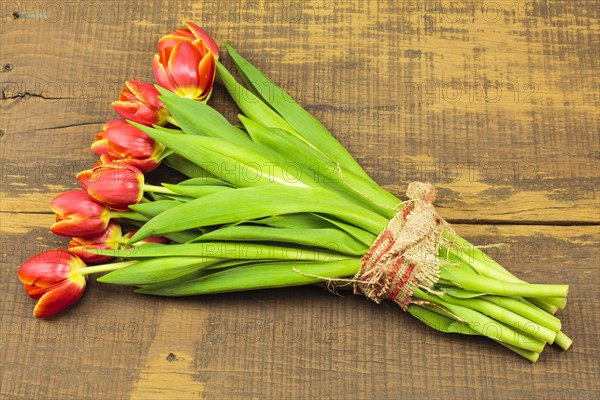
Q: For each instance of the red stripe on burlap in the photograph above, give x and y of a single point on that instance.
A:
(381, 247)
(394, 263)
(405, 282)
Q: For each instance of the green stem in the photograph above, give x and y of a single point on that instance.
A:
(483, 324)
(484, 265)
(478, 283)
(506, 316)
(105, 267)
(549, 308)
(157, 189)
(559, 302)
(433, 317)
(563, 340)
(529, 355)
(527, 310)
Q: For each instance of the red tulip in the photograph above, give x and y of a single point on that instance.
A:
(78, 215)
(107, 240)
(115, 184)
(187, 69)
(191, 35)
(121, 141)
(54, 279)
(139, 102)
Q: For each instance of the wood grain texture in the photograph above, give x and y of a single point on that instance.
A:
(494, 102)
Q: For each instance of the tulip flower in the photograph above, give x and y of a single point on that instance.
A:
(192, 34)
(120, 141)
(54, 279)
(186, 68)
(77, 215)
(110, 238)
(139, 102)
(115, 184)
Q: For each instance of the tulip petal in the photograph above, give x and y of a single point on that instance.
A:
(82, 251)
(113, 123)
(174, 38)
(100, 146)
(146, 93)
(84, 178)
(117, 185)
(201, 34)
(183, 65)
(78, 228)
(127, 95)
(206, 73)
(160, 73)
(104, 159)
(35, 292)
(61, 296)
(78, 215)
(126, 109)
(75, 202)
(131, 138)
(108, 239)
(46, 268)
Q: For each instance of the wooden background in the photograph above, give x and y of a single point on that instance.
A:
(496, 102)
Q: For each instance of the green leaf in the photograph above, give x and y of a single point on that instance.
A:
(197, 118)
(439, 322)
(156, 270)
(310, 130)
(182, 236)
(359, 234)
(331, 239)
(204, 181)
(186, 167)
(302, 122)
(223, 250)
(249, 103)
(261, 276)
(295, 221)
(222, 265)
(154, 208)
(241, 166)
(196, 191)
(258, 202)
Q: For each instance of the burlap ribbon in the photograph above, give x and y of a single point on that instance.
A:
(404, 255)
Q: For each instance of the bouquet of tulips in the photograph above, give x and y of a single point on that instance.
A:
(272, 201)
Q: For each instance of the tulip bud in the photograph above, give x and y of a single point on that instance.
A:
(107, 240)
(116, 184)
(78, 215)
(120, 141)
(192, 34)
(54, 279)
(186, 68)
(139, 102)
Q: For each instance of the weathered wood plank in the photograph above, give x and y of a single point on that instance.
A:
(299, 343)
(494, 102)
